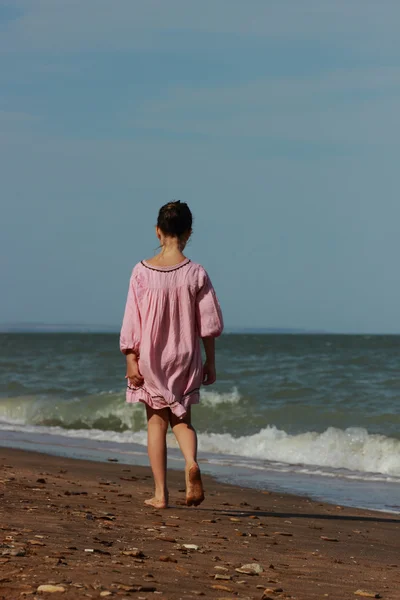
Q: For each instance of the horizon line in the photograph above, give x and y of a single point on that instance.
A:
(31, 328)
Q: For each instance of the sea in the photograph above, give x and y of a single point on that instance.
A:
(314, 415)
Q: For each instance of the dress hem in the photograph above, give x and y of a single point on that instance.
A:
(158, 402)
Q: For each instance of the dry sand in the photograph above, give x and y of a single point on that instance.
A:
(82, 526)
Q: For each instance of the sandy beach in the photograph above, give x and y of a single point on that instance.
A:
(81, 527)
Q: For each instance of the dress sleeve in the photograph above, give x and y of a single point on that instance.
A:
(208, 311)
(131, 324)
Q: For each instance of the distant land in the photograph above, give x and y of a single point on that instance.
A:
(271, 330)
(56, 328)
(93, 328)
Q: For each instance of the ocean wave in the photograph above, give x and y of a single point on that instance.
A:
(106, 411)
(211, 398)
(353, 448)
(348, 453)
(107, 417)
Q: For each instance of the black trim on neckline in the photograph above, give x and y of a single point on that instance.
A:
(168, 269)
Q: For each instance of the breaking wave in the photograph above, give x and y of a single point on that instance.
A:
(107, 417)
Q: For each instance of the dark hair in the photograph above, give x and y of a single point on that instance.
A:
(175, 219)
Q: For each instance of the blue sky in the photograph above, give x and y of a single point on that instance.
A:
(277, 121)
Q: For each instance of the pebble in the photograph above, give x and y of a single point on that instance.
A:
(135, 552)
(50, 589)
(136, 588)
(14, 552)
(105, 593)
(250, 569)
(209, 521)
(367, 594)
(167, 559)
(284, 533)
(222, 577)
(52, 560)
(190, 546)
(277, 590)
(328, 539)
(221, 588)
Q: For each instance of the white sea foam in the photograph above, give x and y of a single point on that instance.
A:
(354, 448)
(211, 398)
(335, 450)
(124, 437)
(109, 418)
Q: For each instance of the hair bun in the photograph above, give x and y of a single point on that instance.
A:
(175, 219)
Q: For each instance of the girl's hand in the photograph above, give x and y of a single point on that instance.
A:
(209, 373)
(133, 375)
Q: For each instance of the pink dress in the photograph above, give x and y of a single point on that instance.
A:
(168, 310)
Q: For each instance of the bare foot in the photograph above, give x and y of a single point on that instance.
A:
(157, 503)
(194, 486)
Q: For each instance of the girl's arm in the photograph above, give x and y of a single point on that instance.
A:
(129, 340)
(133, 374)
(209, 324)
(209, 371)
(130, 336)
(208, 312)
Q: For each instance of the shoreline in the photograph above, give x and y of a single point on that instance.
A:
(347, 489)
(76, 524)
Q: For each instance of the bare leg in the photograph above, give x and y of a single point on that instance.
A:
(187, 440)
(157, 427)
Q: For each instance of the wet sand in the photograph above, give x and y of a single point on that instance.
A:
(82, 527)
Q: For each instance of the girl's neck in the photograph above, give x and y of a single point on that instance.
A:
(171, 254)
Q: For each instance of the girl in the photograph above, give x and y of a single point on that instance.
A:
(171, 305)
